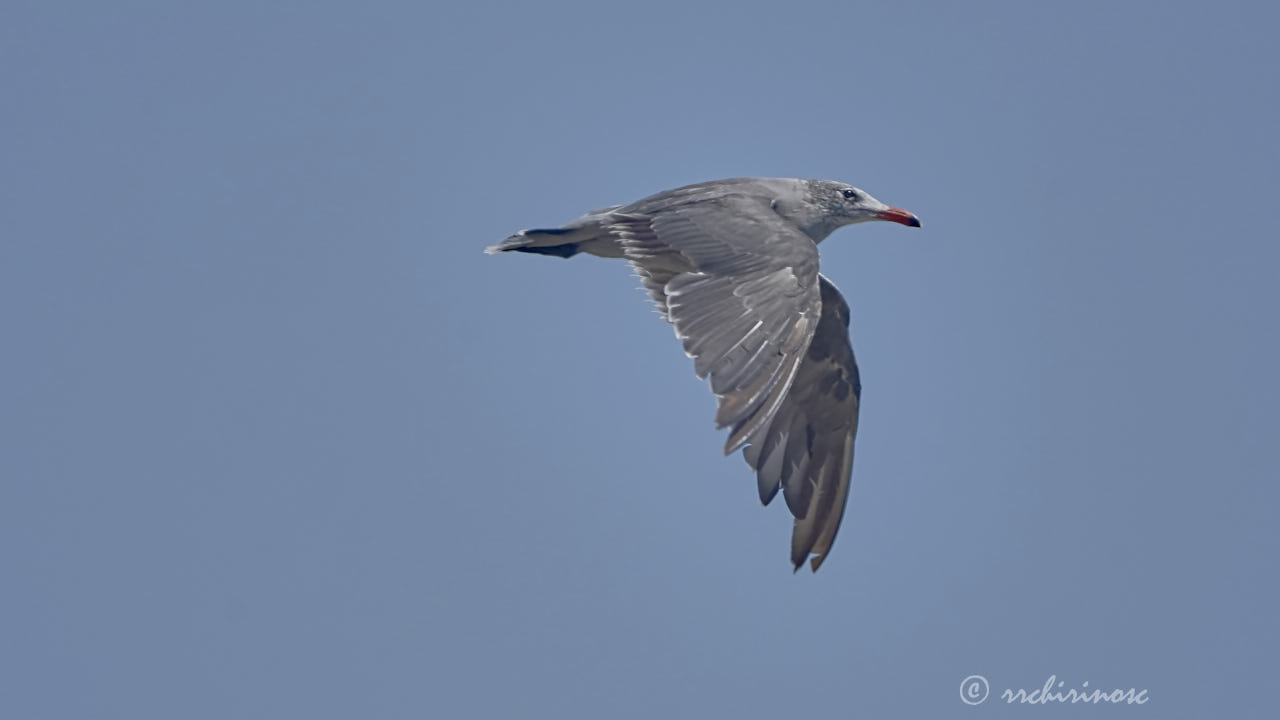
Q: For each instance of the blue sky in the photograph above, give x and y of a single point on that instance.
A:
(281, 441)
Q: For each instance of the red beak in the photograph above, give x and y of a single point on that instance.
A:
(899, 216)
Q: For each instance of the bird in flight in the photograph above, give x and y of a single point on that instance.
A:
(733, 266)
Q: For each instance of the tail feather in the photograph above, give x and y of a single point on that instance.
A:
(567, 250)
(543, 241)
(588, 234)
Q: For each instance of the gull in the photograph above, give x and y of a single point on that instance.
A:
(732, 265)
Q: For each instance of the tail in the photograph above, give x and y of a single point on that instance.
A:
(560, 242)
(588, 234)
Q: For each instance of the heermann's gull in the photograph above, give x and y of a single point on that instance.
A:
(733, 265)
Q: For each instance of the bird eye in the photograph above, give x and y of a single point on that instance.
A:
(849, 193)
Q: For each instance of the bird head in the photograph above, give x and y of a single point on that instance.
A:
(848, 205)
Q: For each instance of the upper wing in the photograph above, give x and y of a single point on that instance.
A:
(740, 285)
(807, 448)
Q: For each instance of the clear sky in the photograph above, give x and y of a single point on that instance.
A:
(278, 440)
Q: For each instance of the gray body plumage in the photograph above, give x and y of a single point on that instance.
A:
(733, 266)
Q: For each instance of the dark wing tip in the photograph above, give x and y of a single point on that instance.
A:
(815, 562)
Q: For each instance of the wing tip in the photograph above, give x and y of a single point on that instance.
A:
(730, 447)
(743, 431)
(815, 562)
